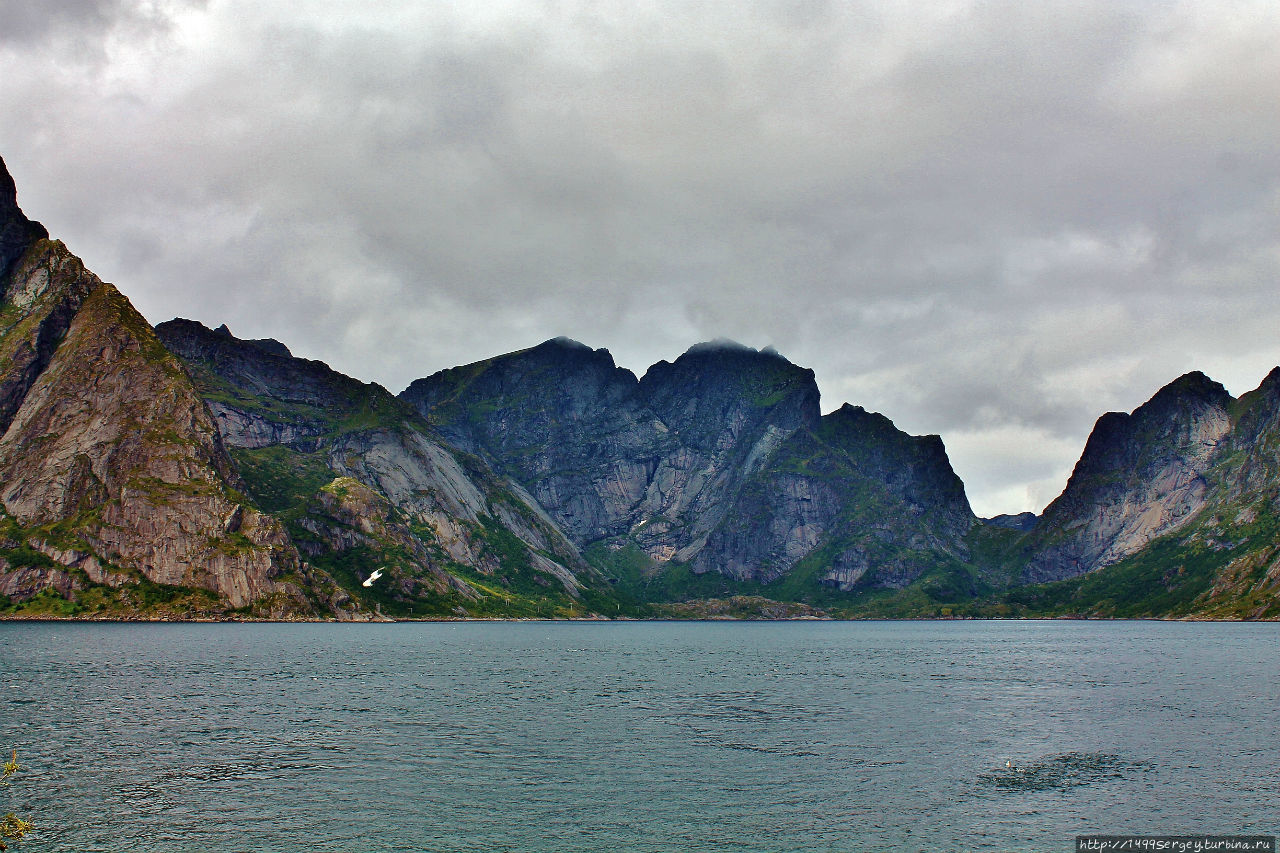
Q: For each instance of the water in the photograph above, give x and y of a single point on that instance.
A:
(638, 736)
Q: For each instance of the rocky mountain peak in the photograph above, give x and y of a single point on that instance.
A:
(851, 414)
(1141, 475)
(721, 383)
(722, 345)
(17, 232)
(1190, 387)
(188, 332)
(730, 354)
(1023, 521)
(1266, 394)
(576, 357)
(557, 377)
(916, 465)
(1257, 429)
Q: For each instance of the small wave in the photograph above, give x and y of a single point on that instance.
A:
(772, 750)
(1068, 770)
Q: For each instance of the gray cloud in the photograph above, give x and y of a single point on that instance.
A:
(992, 221)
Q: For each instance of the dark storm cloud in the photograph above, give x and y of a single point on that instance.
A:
(28, 22)
(75, 29)
(989, 220)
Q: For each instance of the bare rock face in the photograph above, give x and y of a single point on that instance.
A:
(110, 463)
(862, 501)
(729, 408)
(656, 459)
(346, 514)
(368, 483)
(111, 449)
(1140, 476)
(42, 293)
(428, 484)
(561, 419)
(17, 233)
(720, 460)
(1255, 441)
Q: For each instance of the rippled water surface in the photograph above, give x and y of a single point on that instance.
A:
(639, 736)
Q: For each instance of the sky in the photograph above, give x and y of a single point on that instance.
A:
(993, 221)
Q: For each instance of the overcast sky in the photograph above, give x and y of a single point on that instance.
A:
(989, 220)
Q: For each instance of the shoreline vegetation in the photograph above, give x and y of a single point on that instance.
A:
(707, 617)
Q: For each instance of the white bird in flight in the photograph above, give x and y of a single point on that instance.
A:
(377, 573)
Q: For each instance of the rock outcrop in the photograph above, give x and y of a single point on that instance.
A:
(365, 483)
(719, 460)
(110, 464)
(857, 499)
(1141, 475)
(17, 232)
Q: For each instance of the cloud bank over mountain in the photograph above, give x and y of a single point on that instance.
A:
(992, 221)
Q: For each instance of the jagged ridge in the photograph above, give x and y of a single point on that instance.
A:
(274, 484)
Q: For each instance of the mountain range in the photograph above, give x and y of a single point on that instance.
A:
(181, 472)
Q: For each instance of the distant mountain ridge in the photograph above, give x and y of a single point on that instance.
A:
(181, 472)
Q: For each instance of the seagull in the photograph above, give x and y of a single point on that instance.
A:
(377, 573)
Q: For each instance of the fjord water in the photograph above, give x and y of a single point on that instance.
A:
(794, 736)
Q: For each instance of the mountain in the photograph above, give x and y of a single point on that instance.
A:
(719, 461)
(113, 476)
(609, 455)
(1141, 475)
(360, 481)
(1173, 509)
(182, 472)
(851, 501)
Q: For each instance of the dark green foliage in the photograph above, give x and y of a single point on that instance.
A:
(140, 598)
(516, 571)
(512, 554)
(349, 569)
(22, 556)
(638, 582)
(1169, 577)
(679, 582)
(280, 479)
(997, 553)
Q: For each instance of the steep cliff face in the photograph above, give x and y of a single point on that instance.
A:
(1252, 458)
(42, 292)
(1140, 476)
(363, 483)
(1239, 529)
(1208, 484)
(17, 233)
(111, 468)
(607, 455)
(856, 500)
(561, 419)
(728, 408)
(719, 460)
